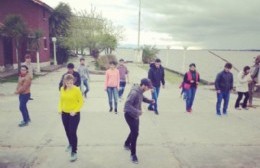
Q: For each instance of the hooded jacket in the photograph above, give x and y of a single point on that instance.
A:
(156, 75)
(134, 102)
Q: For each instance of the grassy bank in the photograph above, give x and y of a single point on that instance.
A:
(169, 76)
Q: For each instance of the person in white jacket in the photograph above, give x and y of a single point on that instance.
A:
(244, 78)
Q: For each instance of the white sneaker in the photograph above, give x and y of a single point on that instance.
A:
(68, 149)
(73, 157)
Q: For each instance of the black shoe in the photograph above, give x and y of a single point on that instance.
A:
(30, 98)
(134, 159)
(156, 112)
(85, 94)
(116, 111)
(150, 109)
(111, 109)
(127, 147)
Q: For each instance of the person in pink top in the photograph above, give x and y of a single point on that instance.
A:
(112, 81)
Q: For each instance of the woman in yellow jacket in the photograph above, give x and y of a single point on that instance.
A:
(71, 101)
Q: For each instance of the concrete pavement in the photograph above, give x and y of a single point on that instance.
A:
(174, 139)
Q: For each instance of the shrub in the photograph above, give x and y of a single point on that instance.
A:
(149, 53)
(103, 61)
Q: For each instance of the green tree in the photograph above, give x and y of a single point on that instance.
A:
(59, 22)
(149, 53)
(35, 45)
(90, 30)
(15, 28)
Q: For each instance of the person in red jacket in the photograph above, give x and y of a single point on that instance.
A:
(190, 83)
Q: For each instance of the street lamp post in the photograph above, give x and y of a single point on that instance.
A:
(54, 39)
(167, 61)
(184, 58)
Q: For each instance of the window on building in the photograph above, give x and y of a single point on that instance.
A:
(45, 43)
(44, 14)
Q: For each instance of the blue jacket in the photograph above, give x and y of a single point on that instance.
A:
(156, 75)
(224, 81)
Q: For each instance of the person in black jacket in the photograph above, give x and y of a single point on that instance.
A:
(77, 80)
(223, 86)
(133, 110)
(156, 75)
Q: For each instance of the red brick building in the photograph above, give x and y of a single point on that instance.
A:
(36, 16)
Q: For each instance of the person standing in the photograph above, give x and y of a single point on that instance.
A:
(133, 111)
(23, 90)
(255, 75)
(112, 85)
(84, 76)
(71, 101)
(28, 63)
(191, 81)
(244, 78)
(123, 72)
(156, 75)
(223, 86)
(77, 80)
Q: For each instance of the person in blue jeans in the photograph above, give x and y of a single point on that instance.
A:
(190, 83)
(223, 85)
(23, 90)
(84, 77)
(124, 78)
(156, 75)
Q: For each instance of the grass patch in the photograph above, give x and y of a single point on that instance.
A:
(11, 79)
(171, 77)
(14, 79)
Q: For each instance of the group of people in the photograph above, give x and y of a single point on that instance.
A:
(224, 84)
(74, 86)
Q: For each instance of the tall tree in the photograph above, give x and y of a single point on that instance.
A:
(90, 30)
(35, 45)
(15, 28)
(60, 21)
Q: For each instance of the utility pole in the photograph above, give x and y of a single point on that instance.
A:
(139, 25)
(139, 59)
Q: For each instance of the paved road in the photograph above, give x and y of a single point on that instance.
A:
(174, 139)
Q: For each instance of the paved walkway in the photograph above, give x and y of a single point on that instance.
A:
(174, 139)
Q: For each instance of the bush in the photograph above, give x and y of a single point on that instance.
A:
(103, 61)
(149, 53)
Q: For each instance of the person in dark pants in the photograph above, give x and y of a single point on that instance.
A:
(156, 75)
(132, 112)
(244, 78)
(255, 75)
(71, 101)
(76, 75)
(223, 86)
(23, 89)
(84, 76)
(124, 78)
(191, 81)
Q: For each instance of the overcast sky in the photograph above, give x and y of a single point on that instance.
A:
(214, 24)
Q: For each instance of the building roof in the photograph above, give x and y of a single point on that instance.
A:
(38, 2)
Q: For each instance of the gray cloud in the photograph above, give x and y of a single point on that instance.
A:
(226, 24)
